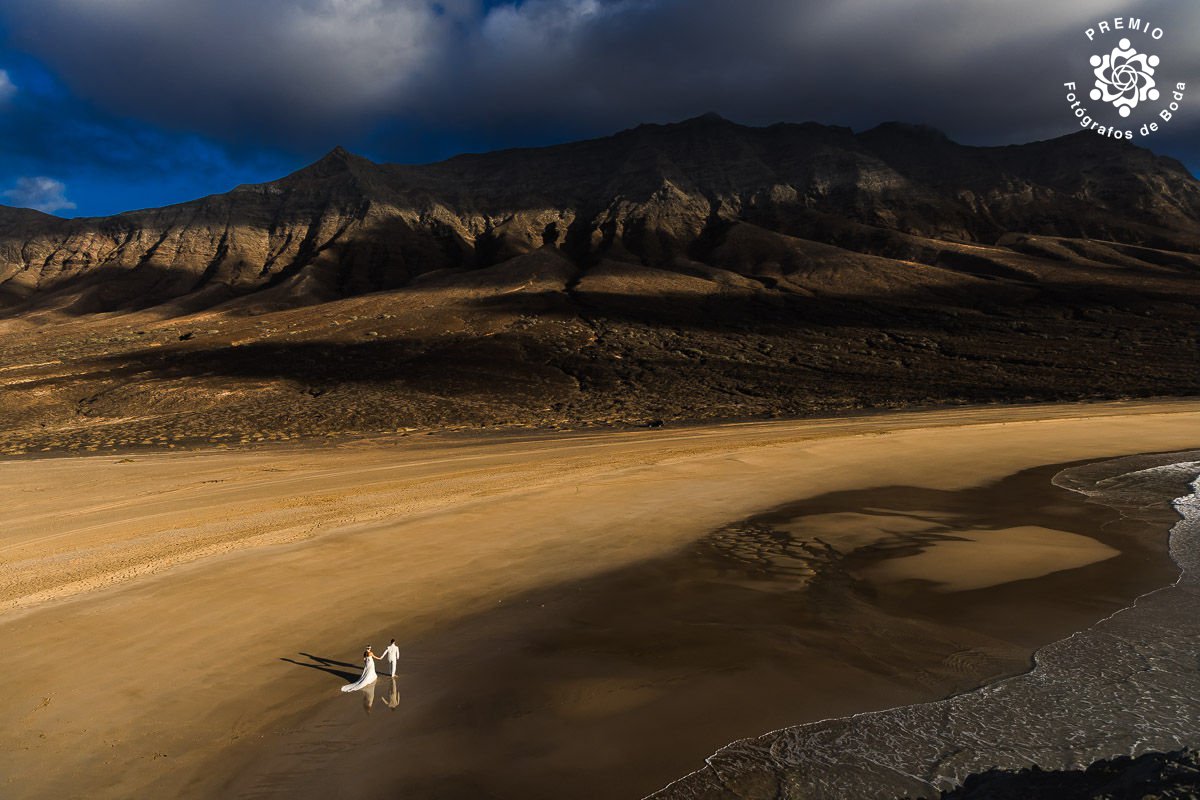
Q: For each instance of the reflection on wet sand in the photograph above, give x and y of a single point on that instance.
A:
(392, 701)
(611, 687)
(368, 693)
(342, 670)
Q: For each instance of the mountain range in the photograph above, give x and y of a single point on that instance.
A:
(702, 269)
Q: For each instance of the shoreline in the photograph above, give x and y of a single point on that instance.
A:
(622, 481)
(902, 773)
(649, 703)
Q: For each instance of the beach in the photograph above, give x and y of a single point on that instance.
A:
(605, 608)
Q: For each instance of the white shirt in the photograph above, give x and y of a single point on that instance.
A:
(392, 652)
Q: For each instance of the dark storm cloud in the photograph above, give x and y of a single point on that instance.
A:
(983, 71)
(300, 72)
(266, 69)
(54, 146)
(49, 126)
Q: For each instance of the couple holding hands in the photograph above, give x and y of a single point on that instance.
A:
(391, 655)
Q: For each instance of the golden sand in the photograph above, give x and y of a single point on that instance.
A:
(148, 599)
(968, 560)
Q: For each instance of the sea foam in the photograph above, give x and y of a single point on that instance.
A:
(1127, 685)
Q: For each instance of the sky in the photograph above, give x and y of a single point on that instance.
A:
(113, 105)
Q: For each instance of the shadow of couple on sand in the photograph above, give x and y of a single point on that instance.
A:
(392, 700)
(329, 665)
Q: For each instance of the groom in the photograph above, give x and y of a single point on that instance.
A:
(391, 655)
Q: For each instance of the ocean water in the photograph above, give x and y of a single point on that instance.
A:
(1127, 685)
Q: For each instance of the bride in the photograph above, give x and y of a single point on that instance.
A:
(368, 673)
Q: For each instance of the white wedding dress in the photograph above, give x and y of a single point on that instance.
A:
(368, 676)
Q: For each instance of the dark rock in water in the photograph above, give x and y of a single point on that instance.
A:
(1162, 776)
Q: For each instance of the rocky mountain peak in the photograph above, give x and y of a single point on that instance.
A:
(703, 268)
(648, 196)
(906, 130)
(337, 161)
(707, 118)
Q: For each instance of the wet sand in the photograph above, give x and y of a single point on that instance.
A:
(611, 687)
(598, 608)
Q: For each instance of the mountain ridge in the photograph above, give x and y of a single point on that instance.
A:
(686, 271)
(470, 210)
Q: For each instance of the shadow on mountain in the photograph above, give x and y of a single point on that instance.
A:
(1059, 342)
(944, 312)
